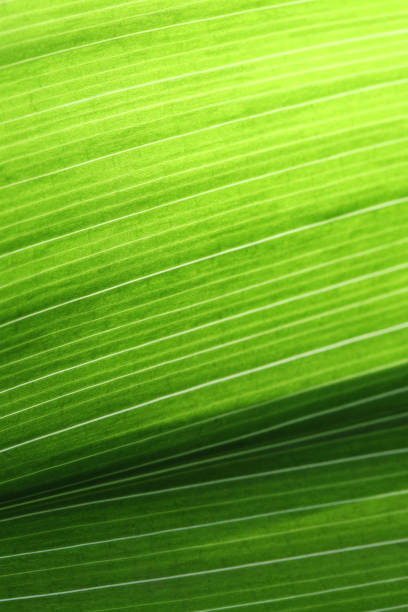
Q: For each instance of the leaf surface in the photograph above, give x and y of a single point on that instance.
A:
(203, 323)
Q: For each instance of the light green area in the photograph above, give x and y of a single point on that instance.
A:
(203, 305)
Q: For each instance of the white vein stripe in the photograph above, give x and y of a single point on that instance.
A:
(222, 415)
(187, 169)
(130, 111)
(204, 71)
(229, 521)
(239, 315)
(220, 481)
(151, 30)
(241, 339)
(241, 247)
(217, 570)
(313, 594)
(196, 50)
(255, 433)
(224, 503)
(298, 105)
(86, 13)
(308, 528)
(211, 383)
(202, 285)
(249, 180)
(402, 606)
(173, 116)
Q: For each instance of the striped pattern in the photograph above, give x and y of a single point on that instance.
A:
(203, 290)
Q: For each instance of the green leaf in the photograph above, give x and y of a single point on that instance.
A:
(203, 323)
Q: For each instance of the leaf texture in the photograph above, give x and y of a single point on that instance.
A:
(203, 323)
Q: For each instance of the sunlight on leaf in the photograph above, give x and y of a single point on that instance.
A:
(203, 288)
